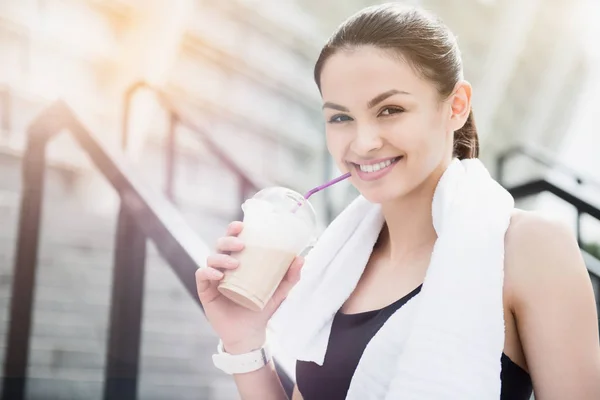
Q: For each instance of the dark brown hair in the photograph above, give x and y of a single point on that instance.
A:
(417, 37)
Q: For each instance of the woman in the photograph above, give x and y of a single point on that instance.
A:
(398, 111)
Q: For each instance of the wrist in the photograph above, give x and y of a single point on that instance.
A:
(243, 357)
(246, 345)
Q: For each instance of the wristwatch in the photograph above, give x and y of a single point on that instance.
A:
(241, 363)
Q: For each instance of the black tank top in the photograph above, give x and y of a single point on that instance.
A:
(350, 334)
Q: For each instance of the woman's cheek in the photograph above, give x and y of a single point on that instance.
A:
(336, 149)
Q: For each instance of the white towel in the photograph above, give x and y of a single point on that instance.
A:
(444, 343)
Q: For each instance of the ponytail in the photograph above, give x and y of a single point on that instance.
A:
(466, 141)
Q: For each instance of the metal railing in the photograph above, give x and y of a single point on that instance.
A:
(247, 183)
(144, 214)
(544, 158)
(547, 184)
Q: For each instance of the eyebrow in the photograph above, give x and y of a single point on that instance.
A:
(371, 103)
(381, 97)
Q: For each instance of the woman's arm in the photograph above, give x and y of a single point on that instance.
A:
(553, 301)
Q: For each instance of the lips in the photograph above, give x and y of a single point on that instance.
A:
(375, 170)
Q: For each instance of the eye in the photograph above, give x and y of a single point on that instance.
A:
(391, 110)
(339, 118)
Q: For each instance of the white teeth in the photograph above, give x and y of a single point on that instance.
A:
(375, 167)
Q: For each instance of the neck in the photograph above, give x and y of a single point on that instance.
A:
(408, 221)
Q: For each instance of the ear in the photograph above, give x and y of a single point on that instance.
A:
(460, 105)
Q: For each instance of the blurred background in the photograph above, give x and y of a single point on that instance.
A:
(197, 104)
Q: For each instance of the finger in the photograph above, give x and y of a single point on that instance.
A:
(221, 261)
(291, 278)
(205, 276)
(229, 244)
(234, 228)
(206, 283)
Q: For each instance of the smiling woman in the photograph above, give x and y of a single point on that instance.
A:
(430, 285)
(377, 76)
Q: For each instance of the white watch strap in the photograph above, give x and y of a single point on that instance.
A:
(241, 363)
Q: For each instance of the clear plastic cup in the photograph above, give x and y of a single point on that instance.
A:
(279, 224)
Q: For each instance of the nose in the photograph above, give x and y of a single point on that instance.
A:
(366, 140)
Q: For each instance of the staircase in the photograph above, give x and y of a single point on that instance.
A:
(70, 325)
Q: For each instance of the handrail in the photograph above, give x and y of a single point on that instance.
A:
(542, 157)
(144, 214)
(547, 184)
(247, 183)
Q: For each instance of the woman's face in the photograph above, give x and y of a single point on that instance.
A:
(384, 123)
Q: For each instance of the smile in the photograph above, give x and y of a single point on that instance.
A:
(369, 172)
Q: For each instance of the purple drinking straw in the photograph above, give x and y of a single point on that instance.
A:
(319, 188)
(326, 185)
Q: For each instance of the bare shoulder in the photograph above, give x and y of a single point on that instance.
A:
(551, 296)
(540, 251)
(530, 228)
(536, 244)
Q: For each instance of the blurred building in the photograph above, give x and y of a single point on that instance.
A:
(239, 72)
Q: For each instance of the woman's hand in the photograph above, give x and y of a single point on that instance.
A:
(240, 329)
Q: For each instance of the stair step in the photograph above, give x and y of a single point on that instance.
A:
(68, 388)
(88, 384)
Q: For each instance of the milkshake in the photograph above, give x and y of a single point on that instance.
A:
(278, 225)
